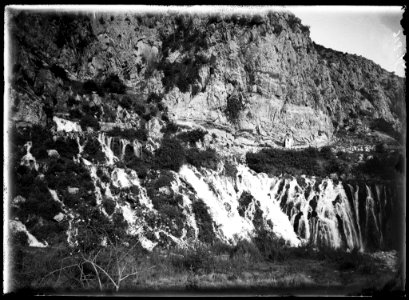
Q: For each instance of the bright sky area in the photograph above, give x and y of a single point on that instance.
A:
(373, 32)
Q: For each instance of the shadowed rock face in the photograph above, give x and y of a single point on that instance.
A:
(283, 81)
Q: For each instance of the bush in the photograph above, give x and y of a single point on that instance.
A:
(112, 84)
(194, 259)
(277, 161)
(40, 203)
(245, 199)
(234, 106)
(170, 128)
(93, 151)
(67, 148)
(271, 247)
(202, 158)
(90, 86)
(170, 155)
(204, 221)
(126, 102)
(76, 114)
(130, 134)
(109, 206)
(89, 121)
(193, 136)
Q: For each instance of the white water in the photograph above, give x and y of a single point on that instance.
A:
(106, 142)
(283, 203)
(232, 226)
(29, 160)
(66, 125)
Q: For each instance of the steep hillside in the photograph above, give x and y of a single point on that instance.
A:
(165, 127)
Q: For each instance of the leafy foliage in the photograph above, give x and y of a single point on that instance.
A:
(93, 151)
(170, 155)
(129, 133)
(89, 121)
(295, 162)
(204, 221)
(202, 158)
(386, 127)
(112, 84)
(67, 148)
(235, 104)
(192, 136)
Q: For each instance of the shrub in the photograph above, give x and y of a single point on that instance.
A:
(170, 128)
(271, 247)
(59, 72)
(109, 113)
(40, 202)
(93, 151)
(90, 86)
(129, 133)
(140, 166)
(234, 106)
(126, 102)
(109, 206)
(277, 161)
(246, 248)
(94, 110)
(245, 199)
(112, 84)
(192, 136)
(386, 127)
(204, 221)
(230, 169)
(154, 98)
(202, 158)
(89, 121)
(76, 114)
(67, 148)
(170, 155)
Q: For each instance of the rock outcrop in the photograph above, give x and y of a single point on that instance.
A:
(258, 75)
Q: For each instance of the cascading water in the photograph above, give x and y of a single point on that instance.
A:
(106, 142)
(124, 143)
(320, 214)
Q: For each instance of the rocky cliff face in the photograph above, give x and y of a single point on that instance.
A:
(257, 77)
(142, 122)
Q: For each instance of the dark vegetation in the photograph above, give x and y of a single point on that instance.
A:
(170, 155)
(93, 151)
(384, 165)
(186, 37)
(129, 133)
(244, 201)
(207, 158)
(235, 104)
(192, 137)
(167, 204)
(385, 127)
(89, 121)
(308, 161)
(204, 221)
(112, 84)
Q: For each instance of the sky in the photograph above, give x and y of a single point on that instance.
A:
(373, 32)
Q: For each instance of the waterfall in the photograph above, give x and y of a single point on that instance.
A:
(106, 147)
(137, 148)
(217, 190)
(124, 143)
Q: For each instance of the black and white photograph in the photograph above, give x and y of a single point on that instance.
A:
(204, 150)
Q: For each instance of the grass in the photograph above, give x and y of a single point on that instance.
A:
(198, 267)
